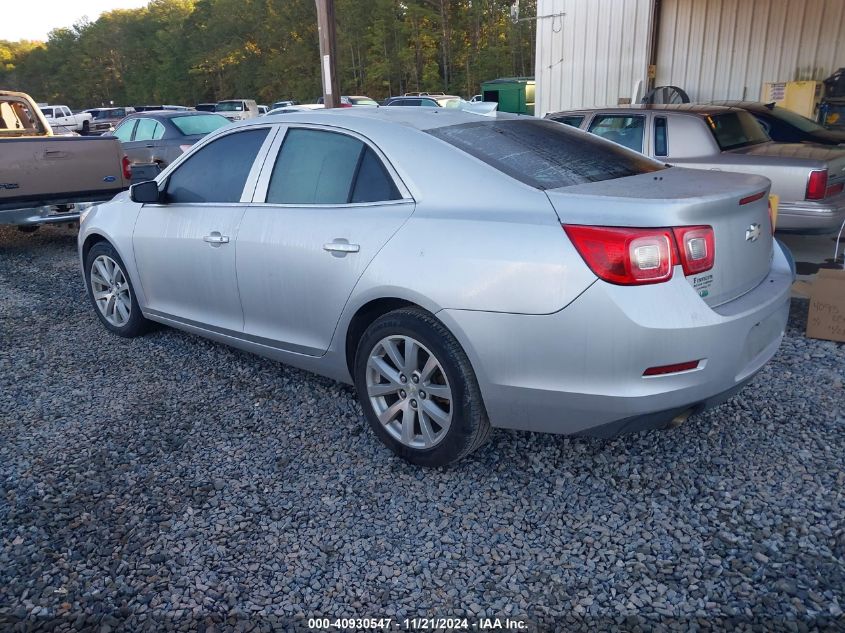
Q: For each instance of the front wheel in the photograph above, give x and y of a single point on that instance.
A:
(111, 292)
(418, 389)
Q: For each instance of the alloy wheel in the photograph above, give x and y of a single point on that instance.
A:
(110, 289)
(409, 391)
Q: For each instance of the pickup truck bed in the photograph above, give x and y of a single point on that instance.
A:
(52, 170)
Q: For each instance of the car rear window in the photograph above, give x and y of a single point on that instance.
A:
(733, 130)
(545, 154)
(199, 123)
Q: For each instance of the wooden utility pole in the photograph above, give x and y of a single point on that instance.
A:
(328, 47)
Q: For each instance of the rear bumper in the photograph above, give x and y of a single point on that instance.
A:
(580, 370)
(824, 216)
(42, 215)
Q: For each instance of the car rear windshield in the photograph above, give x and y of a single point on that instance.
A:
(733, 130)
(199, 123)
(793, 118)
(108, 114)
(545, 154)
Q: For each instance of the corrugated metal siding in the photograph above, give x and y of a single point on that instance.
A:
(727, 49)
(591, 56)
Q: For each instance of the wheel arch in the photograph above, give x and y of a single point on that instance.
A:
(363, 317)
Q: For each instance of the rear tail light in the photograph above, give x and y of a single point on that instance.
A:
(626, 256)
(817, 185)
(127, 168)
(697, 247)
(832, 190)
(637, 256)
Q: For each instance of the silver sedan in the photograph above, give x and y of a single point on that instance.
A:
(463, 272)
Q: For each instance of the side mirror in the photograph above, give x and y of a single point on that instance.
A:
(145, 192)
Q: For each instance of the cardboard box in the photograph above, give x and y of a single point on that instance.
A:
(827, 304)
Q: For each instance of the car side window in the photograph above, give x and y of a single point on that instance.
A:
(624, 129)
(217, 172)
(124, 130)
(575, 120)
(319, 167)
(764, 124)
(148, 130)
(661, 143)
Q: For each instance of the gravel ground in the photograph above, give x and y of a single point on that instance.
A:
(170, 482)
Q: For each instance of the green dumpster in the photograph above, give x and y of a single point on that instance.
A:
(513, 94)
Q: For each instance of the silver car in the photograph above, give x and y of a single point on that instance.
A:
(809, 179)
(463, 272)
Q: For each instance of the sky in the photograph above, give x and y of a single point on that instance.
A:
(34, 19)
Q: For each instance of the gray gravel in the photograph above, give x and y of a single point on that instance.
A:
(173, 482)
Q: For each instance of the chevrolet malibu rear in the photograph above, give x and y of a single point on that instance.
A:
(463, 272)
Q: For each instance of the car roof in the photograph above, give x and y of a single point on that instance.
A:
(701, 109)
(747, 105)
(416, 118)
(167, 114)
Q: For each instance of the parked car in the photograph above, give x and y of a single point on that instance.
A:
(284, 104)
(105, 119)
(262, 110)
(348, 102)
(582, 288)
(62, 119)
(154, 139)
(786, 126)
(237, 109)
(205, 107)
(809, 179)
(423, 100)
(42, 175)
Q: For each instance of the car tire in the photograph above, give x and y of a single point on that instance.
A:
(111, 292)
(86, 127)
(418, 389)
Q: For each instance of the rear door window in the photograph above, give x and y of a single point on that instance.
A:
(624, 129)
(544, 154)
(218, 171)
(319, 167)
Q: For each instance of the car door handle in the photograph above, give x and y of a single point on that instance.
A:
(149, 145)
(341, 247)
(215, 239)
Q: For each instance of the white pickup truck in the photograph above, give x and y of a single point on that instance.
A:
(61, 119)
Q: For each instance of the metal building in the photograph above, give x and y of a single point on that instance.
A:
(603, 52)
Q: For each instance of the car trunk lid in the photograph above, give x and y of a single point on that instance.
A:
(734, 205)
(830, 158)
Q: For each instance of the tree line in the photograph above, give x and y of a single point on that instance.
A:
(193, 51)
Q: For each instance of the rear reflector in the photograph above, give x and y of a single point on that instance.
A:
(750, 199)
(817, 185)
(671, 369)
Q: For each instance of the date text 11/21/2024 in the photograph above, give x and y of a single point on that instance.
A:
(418, 624)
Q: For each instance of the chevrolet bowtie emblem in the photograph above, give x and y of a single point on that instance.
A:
(752, 233)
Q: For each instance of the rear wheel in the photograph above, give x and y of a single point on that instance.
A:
(111, 292)
(85, 127)
(418, 389)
